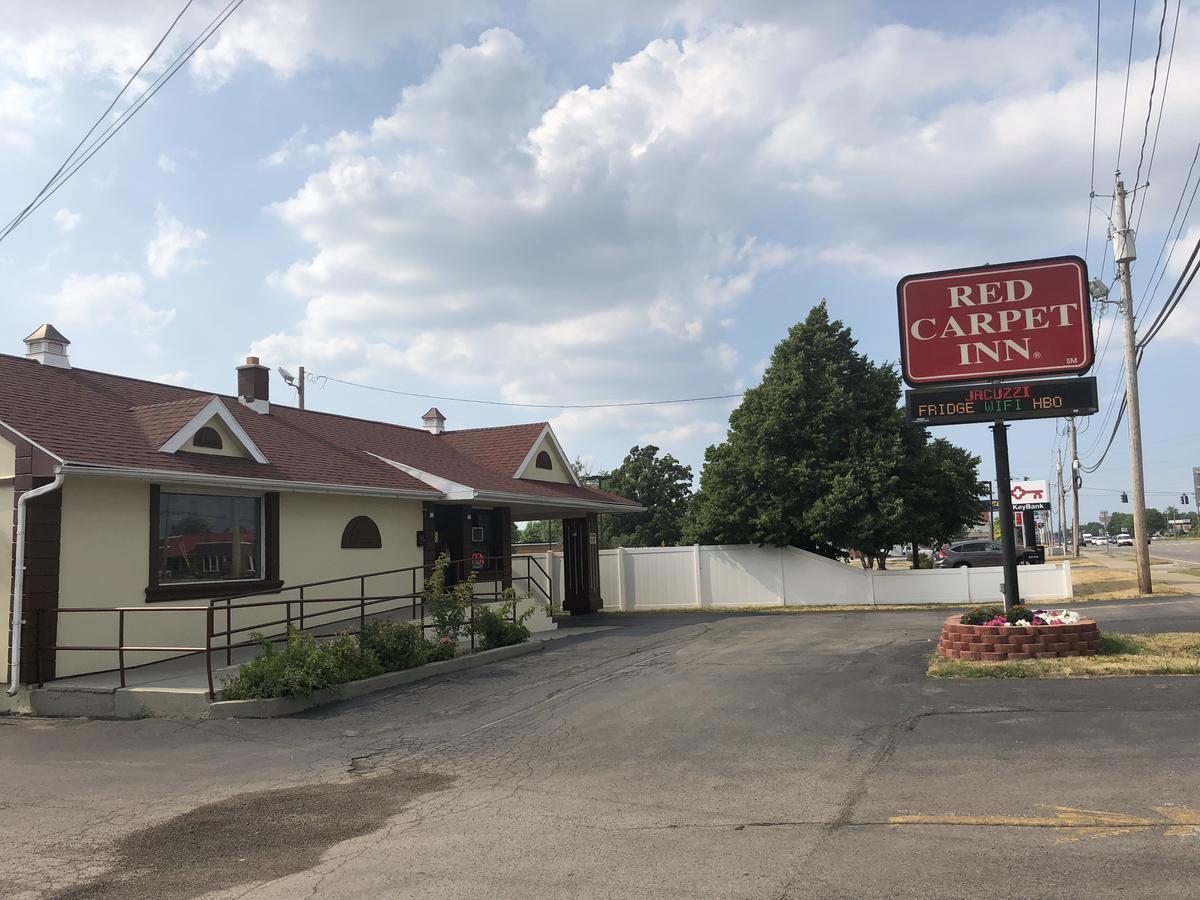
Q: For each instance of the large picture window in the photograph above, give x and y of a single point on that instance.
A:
(205, 538)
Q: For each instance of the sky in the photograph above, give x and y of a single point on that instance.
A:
(564, 202)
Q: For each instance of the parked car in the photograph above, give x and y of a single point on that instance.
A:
(978, 553)
(1124, 540)
(1100, 541)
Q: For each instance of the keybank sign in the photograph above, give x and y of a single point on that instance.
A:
(1014, 320)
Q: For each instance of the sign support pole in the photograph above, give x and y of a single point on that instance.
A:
(1008, 541)
(1074, 490)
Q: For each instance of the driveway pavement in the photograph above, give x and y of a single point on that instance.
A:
(715, 756)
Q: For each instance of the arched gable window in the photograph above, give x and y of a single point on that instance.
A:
(543, 461)
(209, 438)
(361, 533)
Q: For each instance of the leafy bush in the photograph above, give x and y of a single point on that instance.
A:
(303, 665)
(981, 614)
(397, 645)
(442, 648)
(501, 627)
(448, 607)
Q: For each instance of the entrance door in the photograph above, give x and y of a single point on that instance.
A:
(449, 526)
(581, 565)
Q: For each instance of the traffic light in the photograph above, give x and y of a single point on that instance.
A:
(1183, 499)
(1124, 497)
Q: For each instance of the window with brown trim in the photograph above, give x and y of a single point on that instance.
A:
(361, 533)
(209, 438)
(543, 461)
(210, 545)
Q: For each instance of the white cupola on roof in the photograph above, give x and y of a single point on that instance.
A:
(48, 346)
(434, 421)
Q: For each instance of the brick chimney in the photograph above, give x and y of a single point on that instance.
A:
(254, 386)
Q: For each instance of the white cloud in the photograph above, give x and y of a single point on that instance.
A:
(67, 220)
(167, 164)
(499, 234)
(180, 377)
(98, 300)
(293, 147)
(174, 245)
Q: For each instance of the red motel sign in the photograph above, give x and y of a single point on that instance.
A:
(1013, 320)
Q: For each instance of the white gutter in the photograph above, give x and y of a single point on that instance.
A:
(168, 476)
(543, 501)
(18, 598)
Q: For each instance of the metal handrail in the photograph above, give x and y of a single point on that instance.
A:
(359, 603)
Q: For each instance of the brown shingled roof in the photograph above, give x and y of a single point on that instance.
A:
(95, 418)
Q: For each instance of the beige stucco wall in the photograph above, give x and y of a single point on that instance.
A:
(105, 536)
(8, 456)
(561, 473)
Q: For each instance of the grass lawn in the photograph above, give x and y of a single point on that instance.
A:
(1170, 653)
(1094, 581)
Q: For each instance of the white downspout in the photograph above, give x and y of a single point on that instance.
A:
(14, 677)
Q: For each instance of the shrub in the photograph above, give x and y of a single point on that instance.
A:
(501, 627)
(442, 648)
(981, 614)
(397, 645)
(448, 607)
(303, 665)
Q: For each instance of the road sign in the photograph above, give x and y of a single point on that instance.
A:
(478, 559)
(1025, 399)
(1008, 321)
(1027, 495)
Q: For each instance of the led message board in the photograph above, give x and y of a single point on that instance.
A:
(1028, 399)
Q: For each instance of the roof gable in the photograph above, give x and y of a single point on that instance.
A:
(213, 409)
(560, 469)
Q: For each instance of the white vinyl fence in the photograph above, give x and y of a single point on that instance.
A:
(732, 576)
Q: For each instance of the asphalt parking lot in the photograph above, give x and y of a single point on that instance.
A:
(688, 755)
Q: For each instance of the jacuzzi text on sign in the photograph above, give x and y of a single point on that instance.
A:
(1013, 320)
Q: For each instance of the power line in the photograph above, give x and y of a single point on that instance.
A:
(1161, 106)
(1137, 178)
(107, 110)
(128, 114)
(1095, 118)
(1186, 277)
(1125, 101)
(1150, 294)
(370, 387)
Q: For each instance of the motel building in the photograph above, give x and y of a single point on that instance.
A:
(146, 515)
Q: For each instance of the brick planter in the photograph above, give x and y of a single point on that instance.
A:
(997, 643)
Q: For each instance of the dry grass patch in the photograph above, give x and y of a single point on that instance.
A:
(1169, 653)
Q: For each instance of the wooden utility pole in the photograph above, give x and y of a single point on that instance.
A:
(1062, 509)
(300, 387)
(1125, 253)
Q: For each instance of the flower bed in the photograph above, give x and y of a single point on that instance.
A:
(1021, 634)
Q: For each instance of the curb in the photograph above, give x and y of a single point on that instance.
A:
(288, 706)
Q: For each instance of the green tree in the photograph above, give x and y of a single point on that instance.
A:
(945, 493)
(1156, 520)
(546, 531)
(819, 457)
(1092, 528)
(663, 485)
(1120, 522)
